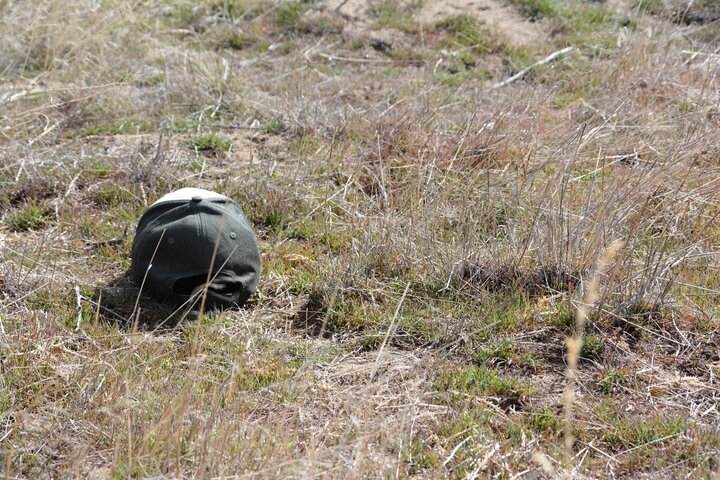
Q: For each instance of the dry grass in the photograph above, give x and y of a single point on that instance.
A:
(426, 241)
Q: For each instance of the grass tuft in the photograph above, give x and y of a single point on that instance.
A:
(211, 142)
(32, 217)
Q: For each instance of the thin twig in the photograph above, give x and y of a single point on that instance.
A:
(353, 60)
(78, 299)
(113, 241)
(142, 284)
(389, 332)
(340, 5)
(552, 57)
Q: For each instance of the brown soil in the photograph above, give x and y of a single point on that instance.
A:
(498, 15)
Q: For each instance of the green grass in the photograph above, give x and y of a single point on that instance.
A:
(577, 88)
(122, 127)
(540, 8)
(292, 16)
(613, 380)
(500, 351)
(211, 142)
(393, 14)
(517, 57)
(641, 432)
(467, 31)
(97, 170)
(182, 125)
(288, 16)
(654, 7)
(274, 126)
(422, 455)
(592, 346)
(32, 217)
(483, 381)
(113, 195)
(708, 34)
(545, 421)
(580, 21)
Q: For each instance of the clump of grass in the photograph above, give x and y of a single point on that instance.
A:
(274, 126)
(293, 17)
(576, 89)
(483, 381)
(97, 170)
(592, 347)
(422, 455)
(500, 351)
(545, 420)
(181, 125)
(579, 20)
(709, 34)
(394, 14)
(563, 318)
(122, 127)
(537, 9)
(235, 41)
(517, 57)
(466, 30)
(612, 380)
(637, 432)
(32, 217)
(289, 15)
(113, 195)
(655, 7)
(211, 142)
(322, 25)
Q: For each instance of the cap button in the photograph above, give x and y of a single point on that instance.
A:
(197, 198)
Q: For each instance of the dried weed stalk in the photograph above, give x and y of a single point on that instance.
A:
(574, 343)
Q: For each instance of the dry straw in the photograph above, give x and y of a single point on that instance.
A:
(574, 343)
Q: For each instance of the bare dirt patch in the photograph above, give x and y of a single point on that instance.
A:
(175, 149)
(501, 17)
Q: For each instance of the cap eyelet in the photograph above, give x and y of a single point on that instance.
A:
(232, 235)
(171, 240)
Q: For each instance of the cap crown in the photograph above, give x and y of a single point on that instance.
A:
(179, 241)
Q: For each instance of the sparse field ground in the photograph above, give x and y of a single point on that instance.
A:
(426, 238)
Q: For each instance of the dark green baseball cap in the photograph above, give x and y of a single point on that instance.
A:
(191, 241)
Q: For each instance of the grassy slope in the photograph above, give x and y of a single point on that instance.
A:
(395, 196)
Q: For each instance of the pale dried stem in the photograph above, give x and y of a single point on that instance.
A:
(574, 344)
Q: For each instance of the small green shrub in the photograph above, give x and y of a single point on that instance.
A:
(181, 125)
(654, 7)
(483, 381)
(545, 420)
(112, 195)
(289, 16)
(466, 30)
(211, 142)
(274, 126)
(123, 127)
(539, 8)
(498, 351)
(592, 347)
(31, 217)
(612, 380)
(393, 14)
(635, 431)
